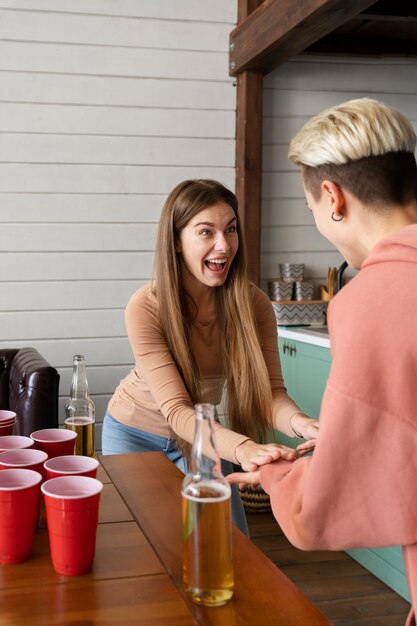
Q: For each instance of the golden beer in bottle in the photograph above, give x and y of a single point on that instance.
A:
(79, 409)
(206, 518)
(84, 427)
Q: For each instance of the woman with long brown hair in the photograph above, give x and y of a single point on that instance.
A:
(198, 329)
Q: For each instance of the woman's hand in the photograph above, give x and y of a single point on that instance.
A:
(251, 455)
(304, 427)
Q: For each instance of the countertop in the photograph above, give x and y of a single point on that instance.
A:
(315, 335)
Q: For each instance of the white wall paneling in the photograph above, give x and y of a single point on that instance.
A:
(71, 207)
(293, 93)
(39, 266)
(118, 179)
(107, 121)
(93, 150)
(112, 61)
(183, 10)
(104, 107)
(103, 91)
(112, 351)
(108, 30)
(66, 294)
(91, 237)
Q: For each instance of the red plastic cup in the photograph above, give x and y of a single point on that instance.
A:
(71, 465)
(72, 504)
(28, 458)
(7, 421)
(5, 431)
(54, 441)
(19, 498)
(7, 416)
(15, 442)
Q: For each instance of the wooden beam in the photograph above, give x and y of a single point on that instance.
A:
(249, 117)
(280, 29)
(245, 8)
(249, 114)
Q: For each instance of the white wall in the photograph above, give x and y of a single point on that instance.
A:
(293, 93)
(105, 105)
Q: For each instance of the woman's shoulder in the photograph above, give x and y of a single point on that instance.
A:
(258, 297)
(261, 306)
(146, 293)
(144, 298)
(142, 316)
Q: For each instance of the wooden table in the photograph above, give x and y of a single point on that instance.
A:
(137, 572)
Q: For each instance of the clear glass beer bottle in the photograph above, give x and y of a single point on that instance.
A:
(79, 409)
(206, 519)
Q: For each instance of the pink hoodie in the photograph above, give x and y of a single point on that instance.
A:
(359, 489)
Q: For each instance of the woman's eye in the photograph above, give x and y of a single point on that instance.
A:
(205, 232)
(231, 229)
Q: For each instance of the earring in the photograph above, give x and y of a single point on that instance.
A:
(336, 219)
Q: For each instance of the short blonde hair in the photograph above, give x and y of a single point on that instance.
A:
(351, 131)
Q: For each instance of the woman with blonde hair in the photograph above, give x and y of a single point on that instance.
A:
(358, 490)
(198, 327)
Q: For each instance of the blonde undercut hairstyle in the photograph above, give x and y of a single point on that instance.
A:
(363, 145)
(249, 393)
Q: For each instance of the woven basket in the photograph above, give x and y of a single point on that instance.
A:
(255, 500)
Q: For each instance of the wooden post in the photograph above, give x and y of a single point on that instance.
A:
(249, 114)
(249, 165)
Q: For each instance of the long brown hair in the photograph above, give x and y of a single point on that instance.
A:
(249, 395)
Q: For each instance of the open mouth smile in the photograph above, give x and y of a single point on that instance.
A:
(216, 265)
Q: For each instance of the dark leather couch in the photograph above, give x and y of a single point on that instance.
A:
(29, 386)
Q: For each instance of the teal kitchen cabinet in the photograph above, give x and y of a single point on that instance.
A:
(305, 368)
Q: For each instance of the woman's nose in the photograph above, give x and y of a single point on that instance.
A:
(221, 243)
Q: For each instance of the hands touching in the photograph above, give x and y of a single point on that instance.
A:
(253, 478)
(251, 455)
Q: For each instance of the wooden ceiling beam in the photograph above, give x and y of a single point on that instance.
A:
(280, 29)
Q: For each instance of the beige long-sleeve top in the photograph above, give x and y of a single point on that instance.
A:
(153, 397)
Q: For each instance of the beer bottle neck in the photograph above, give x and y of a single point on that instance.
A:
(79, 384)
(204, 460)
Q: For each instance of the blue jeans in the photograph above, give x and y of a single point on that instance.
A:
(117, 438)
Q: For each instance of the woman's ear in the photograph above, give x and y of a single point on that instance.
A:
(334, 195)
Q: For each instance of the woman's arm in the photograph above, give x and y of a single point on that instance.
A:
(287, 416)
(298, 424)
(155, 366)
